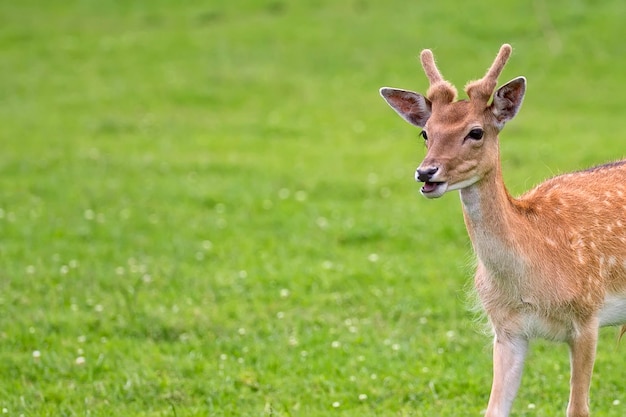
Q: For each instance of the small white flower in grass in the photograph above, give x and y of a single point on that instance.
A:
(81, 339)
(280, 315)
(64, 269)
(322, 222)
(5, 410)
(450, 334)
(98, 308)
(36, 354)
(284, 293)
(243, 274)
(283, 193)
(615, 402)
(293, 341)
(223, 357)
(373, 376)
(362, 397)
(147, 278)
(80, 360)
(336, 344)
(30, 269)
(336, 404)
(395, 346)
(531, 406)
(301, 196)
(241, 331)
(373, 257)
(207, 245)
(423, 320)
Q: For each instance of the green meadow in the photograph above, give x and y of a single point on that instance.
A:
(206, 209)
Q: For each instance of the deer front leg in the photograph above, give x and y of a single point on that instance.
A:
(582, 357)
(509, 354)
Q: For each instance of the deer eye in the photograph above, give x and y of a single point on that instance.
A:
(476, 134)
(424, 135)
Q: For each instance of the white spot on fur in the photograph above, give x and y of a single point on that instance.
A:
(614, 310)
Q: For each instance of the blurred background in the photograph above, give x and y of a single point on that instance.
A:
(206, 209)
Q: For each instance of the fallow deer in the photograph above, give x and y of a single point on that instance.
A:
(551, 263)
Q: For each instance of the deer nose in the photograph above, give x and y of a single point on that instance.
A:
(425, 174)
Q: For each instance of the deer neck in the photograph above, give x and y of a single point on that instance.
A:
(492, 220)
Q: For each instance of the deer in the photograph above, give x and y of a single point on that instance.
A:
(550, 263)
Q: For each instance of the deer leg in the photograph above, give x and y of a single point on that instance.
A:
(509, 354)
(582, 357)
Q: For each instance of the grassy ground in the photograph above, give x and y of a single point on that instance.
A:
(207, 210)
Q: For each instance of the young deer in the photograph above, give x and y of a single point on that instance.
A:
(551, 263)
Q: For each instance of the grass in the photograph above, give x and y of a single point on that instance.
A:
(206, 209)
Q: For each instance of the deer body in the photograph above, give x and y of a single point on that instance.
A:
(558, 252)
(551, 263)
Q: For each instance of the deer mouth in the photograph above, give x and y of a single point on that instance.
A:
(432, 189)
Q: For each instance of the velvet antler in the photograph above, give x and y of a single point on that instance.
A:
(480, 91)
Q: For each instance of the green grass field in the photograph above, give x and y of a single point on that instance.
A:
(207, 210)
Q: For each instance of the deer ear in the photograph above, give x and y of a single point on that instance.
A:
(412, 107)
(507, 100)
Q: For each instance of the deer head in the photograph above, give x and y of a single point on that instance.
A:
(461, 136)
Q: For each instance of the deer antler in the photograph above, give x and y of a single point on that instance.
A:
(440, 90)
(481, 90)
(431, 70)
